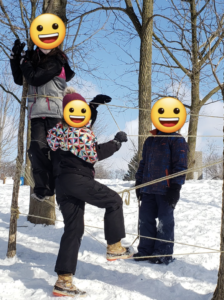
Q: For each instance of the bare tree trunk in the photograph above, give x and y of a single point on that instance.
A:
(57, 7)
(195, 100)
(28, 163)
(11, 252)
(144, 79)
(219, 291)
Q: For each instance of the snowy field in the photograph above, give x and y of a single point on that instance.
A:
(31, 274)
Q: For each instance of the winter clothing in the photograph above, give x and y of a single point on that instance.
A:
(39, 198)
(44, 169)
(79, 141)
(17, 49)
(80, 149)
(93, 106)
(117, 251)
(137, 191)
(121, 137)
(65, 287)
(71, 97)
(155, 206)
(46, 83)
(173, 194)
(76, 185)
(73, 191)
(159, 155)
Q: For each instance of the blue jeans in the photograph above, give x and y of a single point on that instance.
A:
(155, 206)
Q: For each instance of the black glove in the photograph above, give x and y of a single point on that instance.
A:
(138, 194)
(17, 48)
(26, 56)
(173, 194)
(121, 137)
(100, 99)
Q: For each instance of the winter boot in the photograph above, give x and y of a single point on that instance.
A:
(161, 260)
(65, 287)
(139, 256)
(39, 198)
(117, 251)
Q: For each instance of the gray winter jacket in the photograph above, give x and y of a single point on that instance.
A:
(44, 104)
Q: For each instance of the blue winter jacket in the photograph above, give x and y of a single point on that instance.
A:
(160, 154)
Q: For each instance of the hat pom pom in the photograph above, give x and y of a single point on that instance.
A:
(69, 90)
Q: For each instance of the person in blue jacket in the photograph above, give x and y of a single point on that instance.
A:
(161, 156)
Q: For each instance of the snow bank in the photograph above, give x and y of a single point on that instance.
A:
(193, 277)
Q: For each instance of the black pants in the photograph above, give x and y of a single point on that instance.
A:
(72, 192)
(44, 169)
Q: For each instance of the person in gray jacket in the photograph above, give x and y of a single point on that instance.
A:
(46, 72)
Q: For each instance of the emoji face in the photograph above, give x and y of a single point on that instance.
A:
(47, 31)
(77, 113)
(168, 115)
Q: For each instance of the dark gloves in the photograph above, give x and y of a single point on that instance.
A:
(26, 56)
(173, 194)
(99, 99)
(138, 194)
(121, 137)
(17, 49)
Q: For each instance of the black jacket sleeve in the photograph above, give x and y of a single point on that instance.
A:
(68, 71)
(106, 150)
(16, 71)
(40, 76)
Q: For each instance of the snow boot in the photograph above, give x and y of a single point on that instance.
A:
(137, 257)
(40, 198)
(64, 287)
(117, 251)
(161, 260)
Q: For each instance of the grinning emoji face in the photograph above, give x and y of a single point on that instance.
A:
(77, 113)
(168, 115)
(47, 31)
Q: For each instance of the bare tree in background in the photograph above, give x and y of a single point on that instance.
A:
(185, 43)
(137, 20)
(8, 126)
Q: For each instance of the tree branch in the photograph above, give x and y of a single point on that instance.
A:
(9, 92)
(172, 56)
(210, 94)
(201, 10)
(9, 21)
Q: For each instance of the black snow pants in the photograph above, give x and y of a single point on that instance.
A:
(72, 192)
(45, 163)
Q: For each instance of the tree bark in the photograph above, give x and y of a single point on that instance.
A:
(144, 79)
(219, 291)
(28, 163)
(11, 252)
(56, 7)
(195, 99)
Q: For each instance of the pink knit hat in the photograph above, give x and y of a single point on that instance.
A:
(71, 95)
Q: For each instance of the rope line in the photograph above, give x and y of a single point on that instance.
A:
(120, 106)
(170, 176)
(15, 211)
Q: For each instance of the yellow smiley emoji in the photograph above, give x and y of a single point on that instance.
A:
(168, 115)
(47, 31)
(77, 113)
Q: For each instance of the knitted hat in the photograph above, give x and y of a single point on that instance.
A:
(71, 95)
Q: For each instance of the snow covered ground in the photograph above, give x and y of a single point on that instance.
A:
(31, 274)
